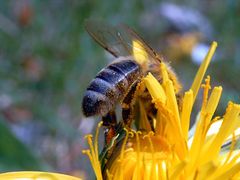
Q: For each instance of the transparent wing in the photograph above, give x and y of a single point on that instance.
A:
(117, 39)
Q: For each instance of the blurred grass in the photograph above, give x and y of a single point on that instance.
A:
(15, 154)
(47, 60)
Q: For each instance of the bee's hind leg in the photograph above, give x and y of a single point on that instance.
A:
(109, 119)
(110, 122)
(128, 106)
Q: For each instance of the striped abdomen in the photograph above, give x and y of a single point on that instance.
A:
(109, 87)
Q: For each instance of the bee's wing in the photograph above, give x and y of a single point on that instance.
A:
(133, 36)
(117, 39)
(109, 37)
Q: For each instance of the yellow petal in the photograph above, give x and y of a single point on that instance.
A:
(201, 71)
(155, 89)
(186, 112)
(139, 52)
(35, 175)
(226, 129)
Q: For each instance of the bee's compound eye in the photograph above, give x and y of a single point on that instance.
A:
(95, 103)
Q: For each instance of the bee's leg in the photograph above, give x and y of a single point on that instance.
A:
(109, 121)
(127, 106)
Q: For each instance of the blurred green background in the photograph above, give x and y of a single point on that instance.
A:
(47, 60)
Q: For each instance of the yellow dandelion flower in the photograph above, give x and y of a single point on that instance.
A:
(35, 175)
(169, 152)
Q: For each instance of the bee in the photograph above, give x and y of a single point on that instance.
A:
(118, 82)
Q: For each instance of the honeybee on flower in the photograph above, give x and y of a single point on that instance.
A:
(121, 82)
(160, 146)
